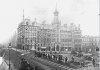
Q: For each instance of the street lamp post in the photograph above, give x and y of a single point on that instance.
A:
(99, 18)
(35, 44)
(9, 59)
(9, 54)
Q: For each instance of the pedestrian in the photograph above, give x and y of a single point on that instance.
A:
(59, 58)
(66, 60)
(93, 61)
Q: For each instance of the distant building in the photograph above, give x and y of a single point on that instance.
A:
(13, 40)
(90, 43)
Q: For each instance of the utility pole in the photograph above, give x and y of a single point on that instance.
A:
(99, 33)
(99, 18)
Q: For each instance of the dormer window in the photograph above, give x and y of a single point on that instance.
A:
(26, 28)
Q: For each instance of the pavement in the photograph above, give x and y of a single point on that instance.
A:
(3, 64)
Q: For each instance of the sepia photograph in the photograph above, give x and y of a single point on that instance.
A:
(49, 34)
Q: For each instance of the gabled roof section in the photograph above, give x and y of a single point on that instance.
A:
(25, 22)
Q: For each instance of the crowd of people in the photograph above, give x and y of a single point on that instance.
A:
(59, 58)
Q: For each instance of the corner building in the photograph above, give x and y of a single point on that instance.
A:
(27, 34)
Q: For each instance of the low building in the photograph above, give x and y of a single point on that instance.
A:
(90, 43)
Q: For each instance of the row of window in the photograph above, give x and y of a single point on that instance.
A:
(27, 28)
(88, 44)
(77, 40)
(88, 40)
(66, 40)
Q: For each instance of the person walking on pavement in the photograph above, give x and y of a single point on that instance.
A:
(66, 60)
(93, 61)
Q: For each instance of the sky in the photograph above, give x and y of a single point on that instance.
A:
(83, 12)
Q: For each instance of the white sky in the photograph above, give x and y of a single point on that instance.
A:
(83, 12)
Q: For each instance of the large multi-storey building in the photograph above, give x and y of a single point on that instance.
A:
(27, 34)
(55, 36)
